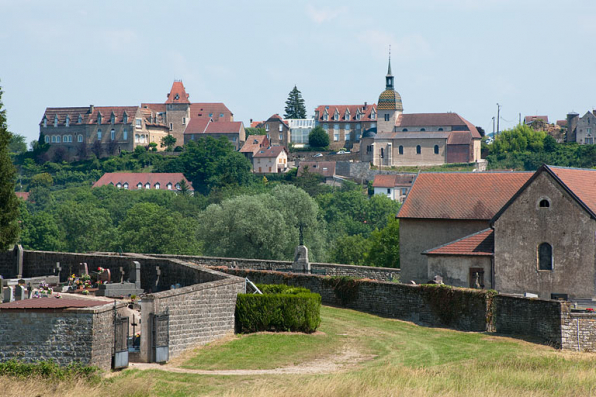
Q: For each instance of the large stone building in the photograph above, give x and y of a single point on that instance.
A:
(417, 139)
(346, 124)
(443, 207)
(201, 127)
(107, 130)
(144, 180)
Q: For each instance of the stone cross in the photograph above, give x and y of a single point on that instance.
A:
(301, 263)
(57, 269)
(158, 273)
(18, 249)
(83, 270)
(121, 274)
(135, 275)
(7, 295)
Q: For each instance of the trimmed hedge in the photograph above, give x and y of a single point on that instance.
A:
(290, 309)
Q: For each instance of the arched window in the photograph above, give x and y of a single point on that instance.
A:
(80, 138)
(401, 149)
(113, 134)
(418, 149)
(545, 257)
(544, 203)
(157, 185)
(423, 129)
(169, 186)
(440, 128)
(118, 185)
(405, 130)
(139, 185)
(99, 135)
(436, 149)
(125, 185)
(47, 139)
(177, 186)
(147, 185)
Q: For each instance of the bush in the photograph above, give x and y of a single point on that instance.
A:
(318, 138)
(281, 289)
(291, 310)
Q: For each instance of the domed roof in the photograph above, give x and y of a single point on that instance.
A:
(390, 100)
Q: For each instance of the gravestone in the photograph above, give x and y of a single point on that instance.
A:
(105, 276)
(57, 269)
(20, 293)
(18, 249)
(124, 288)
(83, 269)
(7, 294)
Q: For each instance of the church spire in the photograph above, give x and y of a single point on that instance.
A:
(389, 77)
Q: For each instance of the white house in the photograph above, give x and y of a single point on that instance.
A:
(396, 186)
(270, 160)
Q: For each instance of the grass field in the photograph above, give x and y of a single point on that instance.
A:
(380, 357)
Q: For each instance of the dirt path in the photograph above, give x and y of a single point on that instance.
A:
(348, 358)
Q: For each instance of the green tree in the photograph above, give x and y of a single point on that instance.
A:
(295, 108)
(318, 138)
(255, 131)
(350, 250)
(17, 144)
(168, 142)
(384, 245)
(9, 204)
(85, 226)
(41, 180)
(41, 232)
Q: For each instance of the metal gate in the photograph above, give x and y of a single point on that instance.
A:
(160, 341)
(120, 342)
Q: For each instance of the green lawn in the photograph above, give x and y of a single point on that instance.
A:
(396, 358)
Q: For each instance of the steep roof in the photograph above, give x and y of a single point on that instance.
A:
(254, 143)
(210, 110)
(73, 113)
(106, 112)
(365, 109)
(477, 244)
(134, 178)
(208, 126)
(271, 151)
(578, 182)
(469, 196)
(324, 168)
(393, 180)
(178, 94)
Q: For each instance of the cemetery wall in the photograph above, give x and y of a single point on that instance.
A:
(8, 264)
(402, 301)
(199, 313)
(329, 269)
(578, 332)
(65, 336)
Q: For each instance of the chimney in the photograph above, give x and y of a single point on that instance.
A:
(91, 108)
(251, 121)
(365, 105)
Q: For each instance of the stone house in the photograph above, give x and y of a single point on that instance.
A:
(200, 127)
(324, 168)
(277, 130)
(345, 124)
(273, 159)
(253, 144)
(394, 186)
(581, 129)
(143, 180)
(443, 207)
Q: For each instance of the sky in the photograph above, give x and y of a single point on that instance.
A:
(464, 56)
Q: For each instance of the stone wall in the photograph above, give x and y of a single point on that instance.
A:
(198, 314)
(8, 264)
(329, 269)
(578, 332)
(402, 301)
(65, 336)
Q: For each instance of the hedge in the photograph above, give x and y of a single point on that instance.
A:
(291, 311)
(281, 289)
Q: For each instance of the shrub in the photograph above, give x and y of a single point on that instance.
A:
(281, 289)
(291, 310)
(47, 369)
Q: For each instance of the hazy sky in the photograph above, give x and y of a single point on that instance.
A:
(464, 56)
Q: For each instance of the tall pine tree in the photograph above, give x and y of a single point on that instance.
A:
(295, 105)
(9, 205)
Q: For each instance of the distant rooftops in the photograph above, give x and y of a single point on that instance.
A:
(143, 180)
(396, 180)
(270, 152)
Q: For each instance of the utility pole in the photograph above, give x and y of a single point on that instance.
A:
(520, 119)
(493, 126)
(498, 116)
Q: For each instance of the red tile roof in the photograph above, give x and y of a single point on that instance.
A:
(211, 110)
(23, 195)
(394, 180)
(52, 303)
(106, 114)
(254, 124)
(469, 196)
(582, 182)
(178, 93)
(453, 120)
(325, 168)
(61, 113)
(254, 143)
(477, 244)
(271, 151)
(208, 126)
(134, 178)
(562, 123)
(530, 119)
(366, 112)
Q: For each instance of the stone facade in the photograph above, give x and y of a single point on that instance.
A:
(567, 227)
(457, 272)
(582, 129)
(436, 232)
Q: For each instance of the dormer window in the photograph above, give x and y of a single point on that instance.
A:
(169, 186)
(112, 118)
(67, 122)
(55, 121)
(125, 118)
(326, 116)
(177, 97)
(157, 185)
(266, 127)
(358, 115)
(118, 185)
(139, 185)
(99, 119)
(80, 119)
(125, 185)
(347, 116)
(373, 115)
(177, 186)
(45, 121)
(147, 185)
(336, 115)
